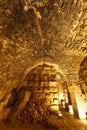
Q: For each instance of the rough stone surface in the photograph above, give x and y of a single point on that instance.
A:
(42, 84)
(53, 32)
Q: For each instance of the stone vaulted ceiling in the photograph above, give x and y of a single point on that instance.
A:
(52, 31)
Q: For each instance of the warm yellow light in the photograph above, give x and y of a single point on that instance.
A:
(84, 121)
(54, 108)
(52, 83)
(71, 109)
(60, 114)
(82, 114)
(55, 101)
(56, 96)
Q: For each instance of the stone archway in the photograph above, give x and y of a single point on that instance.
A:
(83, 76)
(48, 88)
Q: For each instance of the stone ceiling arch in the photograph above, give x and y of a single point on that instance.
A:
(47, 88)
(56, 67)
(83, 75)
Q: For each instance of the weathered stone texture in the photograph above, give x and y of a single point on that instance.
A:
(41, 82)
(59, 36)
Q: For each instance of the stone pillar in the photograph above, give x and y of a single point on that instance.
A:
(77, 103)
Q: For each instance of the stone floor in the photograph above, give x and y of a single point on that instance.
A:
(67, 122)
(71, 123)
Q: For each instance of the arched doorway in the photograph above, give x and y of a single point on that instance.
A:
(48, 89)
